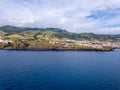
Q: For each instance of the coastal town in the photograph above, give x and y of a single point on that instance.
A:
(97, 44)
(92, 44)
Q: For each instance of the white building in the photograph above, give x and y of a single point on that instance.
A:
(5, 41)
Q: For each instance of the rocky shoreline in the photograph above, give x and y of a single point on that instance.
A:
(35, 49)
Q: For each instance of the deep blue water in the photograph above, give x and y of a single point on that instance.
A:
(59, 70)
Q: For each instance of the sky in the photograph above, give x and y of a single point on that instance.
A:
(96, 16)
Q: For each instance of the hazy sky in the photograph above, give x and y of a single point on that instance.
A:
(98, 16)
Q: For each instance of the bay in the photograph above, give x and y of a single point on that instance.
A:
(59, 70)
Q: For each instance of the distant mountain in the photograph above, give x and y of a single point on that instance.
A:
(59, 33)
(13, 29)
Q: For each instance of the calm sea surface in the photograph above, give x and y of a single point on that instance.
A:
(59, 70)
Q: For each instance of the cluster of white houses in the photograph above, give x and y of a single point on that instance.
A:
(96, 44)
(5, 41)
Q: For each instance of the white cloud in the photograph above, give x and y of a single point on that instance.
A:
(66, 14)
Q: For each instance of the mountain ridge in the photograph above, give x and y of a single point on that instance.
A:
(10, 27)
(60, 33)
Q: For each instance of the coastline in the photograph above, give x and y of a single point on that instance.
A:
(99, 50)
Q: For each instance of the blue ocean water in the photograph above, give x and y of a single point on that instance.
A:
(59, 70)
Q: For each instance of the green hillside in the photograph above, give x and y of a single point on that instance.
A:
(50, 39)
(55, 32)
